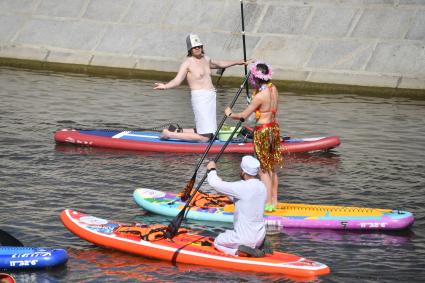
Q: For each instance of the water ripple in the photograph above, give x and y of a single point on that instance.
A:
(380, 163)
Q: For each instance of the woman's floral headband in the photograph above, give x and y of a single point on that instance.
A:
(258, 74)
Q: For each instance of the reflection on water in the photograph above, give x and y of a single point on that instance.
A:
(341, 237)
(380, 163)
(300, 236)
(114, 265)
(330, 159)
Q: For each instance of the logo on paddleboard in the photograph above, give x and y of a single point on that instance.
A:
(152, 193)
(373, 225)
(91, 220)
(34, 254)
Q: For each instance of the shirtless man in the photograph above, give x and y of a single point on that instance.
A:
(196, 69)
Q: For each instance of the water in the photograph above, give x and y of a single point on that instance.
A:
(380, 163)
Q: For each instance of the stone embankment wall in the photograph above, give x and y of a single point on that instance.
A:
(354, 42)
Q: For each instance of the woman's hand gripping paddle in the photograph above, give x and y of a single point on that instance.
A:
(175, 224)
(187, 191)
(8, 240)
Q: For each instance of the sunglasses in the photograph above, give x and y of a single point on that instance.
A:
(197, 47)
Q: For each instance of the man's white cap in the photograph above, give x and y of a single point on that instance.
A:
(192, 40)
(250, 165)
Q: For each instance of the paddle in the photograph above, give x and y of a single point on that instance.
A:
(8, 240)
(248, 97)
(174, 225)
(159, 128)
(190, 184)
(221, 71)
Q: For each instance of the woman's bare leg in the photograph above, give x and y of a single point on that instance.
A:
(267, 180)
(274, 188)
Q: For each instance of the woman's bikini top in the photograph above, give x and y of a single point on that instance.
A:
(273, 110)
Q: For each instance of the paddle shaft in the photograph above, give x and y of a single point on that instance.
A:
(219, 127)
(248, 97)
(219, 154)
(151, 129)
(244, 50)
(175, 224)
(191, 182)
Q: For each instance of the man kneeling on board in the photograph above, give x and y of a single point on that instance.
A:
(249, 196)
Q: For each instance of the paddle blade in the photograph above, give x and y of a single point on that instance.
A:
(220, 73)
(189, 187)
(8, 240)
(174, 225)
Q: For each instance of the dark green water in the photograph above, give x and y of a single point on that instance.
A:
(380, 163)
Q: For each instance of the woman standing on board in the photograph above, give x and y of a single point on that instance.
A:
(196, 69)
(267, 132)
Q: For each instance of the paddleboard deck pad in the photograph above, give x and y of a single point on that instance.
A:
(185, 247)
(151, 141)
(23, 258)
(286, 214)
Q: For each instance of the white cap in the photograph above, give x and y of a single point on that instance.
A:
(192, 40)
(250, 165)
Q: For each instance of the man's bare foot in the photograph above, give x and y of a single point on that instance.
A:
(165, 134)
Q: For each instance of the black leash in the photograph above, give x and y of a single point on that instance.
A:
(169, 125)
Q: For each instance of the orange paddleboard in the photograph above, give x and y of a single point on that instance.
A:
(184, 248)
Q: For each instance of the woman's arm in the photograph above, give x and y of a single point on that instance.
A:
(179, 78)
(254, 105)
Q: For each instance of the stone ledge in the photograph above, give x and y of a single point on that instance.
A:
(228, 81)
(415, 83)
(70, 57)
(23, 52)
(354, 79)
(114, 61)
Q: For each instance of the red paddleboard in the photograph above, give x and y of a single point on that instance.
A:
(150, 141)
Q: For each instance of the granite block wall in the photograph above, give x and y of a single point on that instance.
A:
(354, 42)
